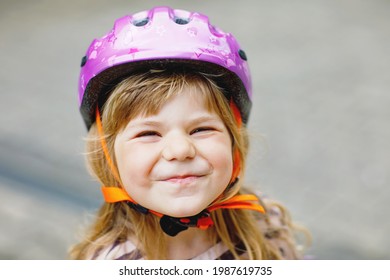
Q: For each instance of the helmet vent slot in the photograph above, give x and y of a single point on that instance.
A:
(141, 22)
(181, 21)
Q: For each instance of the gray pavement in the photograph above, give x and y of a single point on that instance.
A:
(320, 127)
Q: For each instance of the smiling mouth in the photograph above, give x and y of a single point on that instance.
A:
(182, 179)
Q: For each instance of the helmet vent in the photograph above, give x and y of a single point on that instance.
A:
(242, 54)
(181, 21)
(84, 60)
(141, 22)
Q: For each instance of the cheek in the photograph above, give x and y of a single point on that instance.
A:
(224, 162)
(134, 165)
(219, 155)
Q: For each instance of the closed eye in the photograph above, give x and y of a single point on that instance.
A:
(147, 134)
(202, 129)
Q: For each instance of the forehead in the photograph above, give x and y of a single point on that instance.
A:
(199, 93)
(145, 96)
(180, 109)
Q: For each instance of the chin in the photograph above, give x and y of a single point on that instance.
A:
(184, 212)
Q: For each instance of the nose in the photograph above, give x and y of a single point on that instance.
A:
(178, 146)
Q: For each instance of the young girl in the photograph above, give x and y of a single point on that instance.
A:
(166, 97)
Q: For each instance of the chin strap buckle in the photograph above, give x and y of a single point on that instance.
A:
(172, 226)
(202, 220)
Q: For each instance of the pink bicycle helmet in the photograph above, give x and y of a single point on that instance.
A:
(163, 38)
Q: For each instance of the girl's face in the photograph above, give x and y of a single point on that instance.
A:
(178, 161)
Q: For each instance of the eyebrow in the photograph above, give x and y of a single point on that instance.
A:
(133, 124)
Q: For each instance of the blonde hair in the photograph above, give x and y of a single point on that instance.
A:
(145, 94)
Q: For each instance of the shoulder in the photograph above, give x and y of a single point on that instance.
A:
(279, 230)
(119, 251)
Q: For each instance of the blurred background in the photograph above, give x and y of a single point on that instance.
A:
(320, 127)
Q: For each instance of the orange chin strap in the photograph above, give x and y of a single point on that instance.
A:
(104, 146)
(236, 154)
(236, 113)
(117, 194)
(242, 201)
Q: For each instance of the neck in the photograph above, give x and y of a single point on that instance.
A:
(188, 244)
